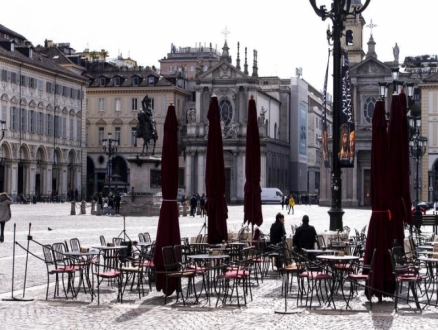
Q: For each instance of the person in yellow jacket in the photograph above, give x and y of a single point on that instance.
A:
(291, 204)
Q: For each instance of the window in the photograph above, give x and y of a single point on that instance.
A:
(226, 111)
(23, 120)
(40, 123)
(32, 123)
(101, 105)
(57, 132)
(4, 75)
(117, 135)
(13, 77)
(101, 134)
(116, 81)
(32, 83)
(50, 87)
(118, 104)
(24, 80)
(79, 130)
(102, 82)
(14, 118)
(135, 81)
(4, 112)
(133, 104)
(192, 68)
(40, 85)
(134, 137)
(151, 81)
(64, 127)
(170, 68)
(58, 89)
(368, 109)
(71, 129)
(152, 103)
(49, 124)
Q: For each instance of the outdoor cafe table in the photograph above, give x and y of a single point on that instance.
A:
(431, 278)
(84, 258)
(213, 259)
(108, 254)
(337, 274)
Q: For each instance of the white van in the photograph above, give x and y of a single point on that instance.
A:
(271, 195)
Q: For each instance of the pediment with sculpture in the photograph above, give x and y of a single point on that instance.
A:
(370, 67)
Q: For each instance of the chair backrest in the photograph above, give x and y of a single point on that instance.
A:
(320, 241)
(198, 248)
(199, 238)
(398, 256)
(102, 240)
(147, 237)
(205, 238)
(48, 256)
(117, 241)
(140, 237)
(292, 227)
(373, 261)
(75, 245)
(180, 253)
(168, 256)
(58, 250)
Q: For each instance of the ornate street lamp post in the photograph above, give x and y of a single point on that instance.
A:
(339, 12)
(110, 148)
(417, 148)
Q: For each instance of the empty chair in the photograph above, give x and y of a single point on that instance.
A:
(205, 238)
(102, 240)
(75, 245)
(140, 237)
(199, 238)
(117, 241)
(57, 268)
(147, 238)
(320, 241)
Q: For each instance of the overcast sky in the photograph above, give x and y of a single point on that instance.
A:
(286, 33)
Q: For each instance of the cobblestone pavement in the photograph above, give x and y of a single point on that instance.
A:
(150, 311)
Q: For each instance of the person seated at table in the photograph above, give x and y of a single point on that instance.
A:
(305, 235)
(277, 229)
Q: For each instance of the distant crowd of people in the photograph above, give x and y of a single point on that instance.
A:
(194, 200)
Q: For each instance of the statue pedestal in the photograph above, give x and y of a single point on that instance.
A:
(147, 197)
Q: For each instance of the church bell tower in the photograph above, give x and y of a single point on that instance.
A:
(353, 36)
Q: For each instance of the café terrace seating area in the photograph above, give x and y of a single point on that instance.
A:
(332, 275)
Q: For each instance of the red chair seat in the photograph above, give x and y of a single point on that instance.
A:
(358, 277)
(318, 276)
(109, 274)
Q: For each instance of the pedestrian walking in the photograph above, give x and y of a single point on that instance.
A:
(283, 199)
(202, 204)
(76, 195)
(193, 204)
(5, 213)
(100, 202)
(291, 204)
(117, 200)
(110, 204)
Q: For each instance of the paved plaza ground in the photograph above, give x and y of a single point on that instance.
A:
(150, 311)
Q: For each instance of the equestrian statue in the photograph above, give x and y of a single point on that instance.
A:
(146, 126)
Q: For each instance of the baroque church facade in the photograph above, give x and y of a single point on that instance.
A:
(234, 85)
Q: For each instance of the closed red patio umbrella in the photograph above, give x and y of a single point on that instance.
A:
(252, 201)
(406, 193)
(216, 206)
(397, 172)
(168, 232)
(379, 227)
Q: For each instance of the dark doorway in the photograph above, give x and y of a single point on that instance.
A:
(20, 179)
(38, 184)
(90, 179)
(2, 178)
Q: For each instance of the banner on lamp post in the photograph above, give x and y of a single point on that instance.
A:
(347, 136)
(325, 152)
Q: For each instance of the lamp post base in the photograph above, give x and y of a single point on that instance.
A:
(336, 219)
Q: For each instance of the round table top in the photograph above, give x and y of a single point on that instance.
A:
(320, 251)
(208, 256)
(79, 253)
(425, 247)
(428, 259)
(333, 257)
(103, 247)
(143, 244)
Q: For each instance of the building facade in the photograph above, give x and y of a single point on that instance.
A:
(43, 106)
(114, 99)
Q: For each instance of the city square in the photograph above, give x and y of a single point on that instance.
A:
(81, 313)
